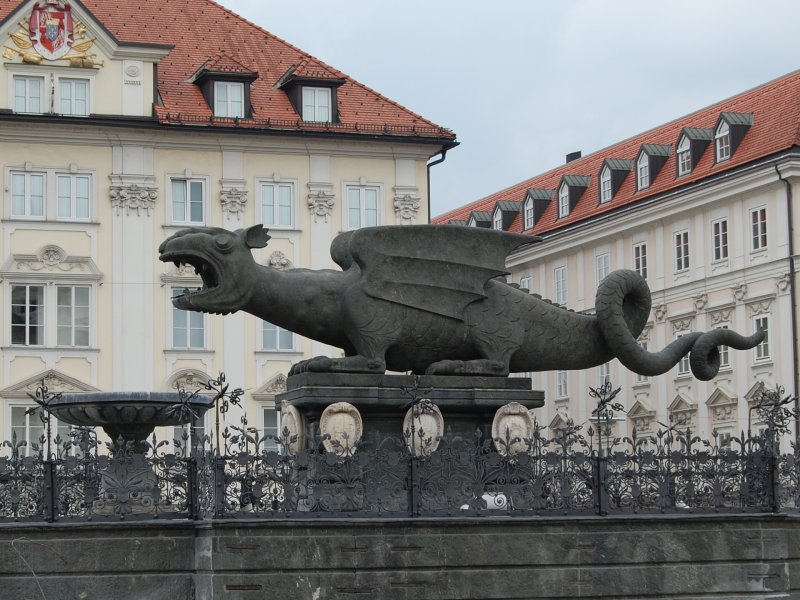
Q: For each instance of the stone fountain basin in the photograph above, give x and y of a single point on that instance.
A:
(132, 415)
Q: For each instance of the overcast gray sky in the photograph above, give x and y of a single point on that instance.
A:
(522, 83)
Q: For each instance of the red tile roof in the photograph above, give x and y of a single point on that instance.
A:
(202, 31)
(776, 127)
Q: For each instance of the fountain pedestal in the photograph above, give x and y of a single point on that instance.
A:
(467, 404)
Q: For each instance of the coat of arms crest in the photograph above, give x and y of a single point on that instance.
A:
(52, 29)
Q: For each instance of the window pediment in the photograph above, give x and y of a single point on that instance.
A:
(50, 262)
(54, 380)
(505, 212)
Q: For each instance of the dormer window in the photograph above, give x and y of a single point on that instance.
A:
(643, 172)
(528, 214)
(684, 153)
(497, 219)
(728, 134)
(317, 104)
(722, 141)
(649, 163)
(229, 99)
(605, 185)
(480, 218)
(563, 201)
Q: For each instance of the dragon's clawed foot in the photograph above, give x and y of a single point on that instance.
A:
(348, 364)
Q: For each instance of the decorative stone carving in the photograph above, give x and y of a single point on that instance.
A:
(320, 203)
(722, 406)
(682, 412)
(512, 429)
(278, 260)
(645, 335)
(51, 259)
(660, 313)
(642, 417)
(700, 301)
(782, 282)
(759, 308)
(739, 292)
(190, 381)
(720, 317)
(428, 428)
(341, 428)
(293, 428)
(276, 386)
(679, 325)
(133, 197)
(406, 208)
(234, 201)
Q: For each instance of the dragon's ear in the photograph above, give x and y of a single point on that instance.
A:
(256, 236)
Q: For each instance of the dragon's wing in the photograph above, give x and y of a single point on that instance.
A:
(436, 268)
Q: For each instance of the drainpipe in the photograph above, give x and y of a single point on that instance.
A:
(793, 297)
(433, 164)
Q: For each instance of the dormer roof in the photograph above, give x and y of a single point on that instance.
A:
(770, 115)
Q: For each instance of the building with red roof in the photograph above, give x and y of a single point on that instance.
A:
(123, 122)
(701, 206)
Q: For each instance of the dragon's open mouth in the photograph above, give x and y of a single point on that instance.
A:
(204, 268)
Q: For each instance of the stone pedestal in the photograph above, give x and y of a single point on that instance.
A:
(467, 404)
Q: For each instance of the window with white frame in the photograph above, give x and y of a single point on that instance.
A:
(724, 355)
(277, 204)
(28, 94)
(528, 213)
(681, 251)
(317, 104)
(188, 329)
(722, 142)
(271, 430)
(643, 172)
(758, 221)
(27, 315)
(362, 206)
(560, 277)
(73, 197)
(684, 152)
(639, 377)
(684, 367)
(188, 200)
(603, 266)
(74, 96)
(53, 315)
(276, 339)
(50, 194)
(563, 200)
(27, 195)
(27, 426)
(229, 99)
(561, 384)
(72, 328)
(640, 258)
(719, 234)
(497, 219)
(605, 185)
(526, 282)
(762, 350)
(603, 374)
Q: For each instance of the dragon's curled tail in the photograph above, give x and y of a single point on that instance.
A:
(623, 307)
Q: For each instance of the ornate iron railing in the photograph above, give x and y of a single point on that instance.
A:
(235, 474)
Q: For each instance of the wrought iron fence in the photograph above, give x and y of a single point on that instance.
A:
(235, 474)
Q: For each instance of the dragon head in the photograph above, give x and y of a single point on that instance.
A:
(224, 261)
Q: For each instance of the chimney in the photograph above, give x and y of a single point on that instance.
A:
(573, 156)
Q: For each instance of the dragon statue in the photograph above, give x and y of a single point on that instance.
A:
(431, 299)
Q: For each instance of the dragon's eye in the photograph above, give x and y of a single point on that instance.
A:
(224, 243)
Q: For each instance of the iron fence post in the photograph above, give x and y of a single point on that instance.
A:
(414, 486)
(194, 490)
(49, 496)
(600, 475)
(772, 467)
(219, 487)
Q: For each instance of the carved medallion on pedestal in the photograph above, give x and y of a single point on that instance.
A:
(511, 426)
(428, 428)
(341, 428)
(293, 429)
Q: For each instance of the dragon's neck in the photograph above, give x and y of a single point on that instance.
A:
(305, 301)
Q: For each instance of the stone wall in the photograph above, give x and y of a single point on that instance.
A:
(636, 557)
